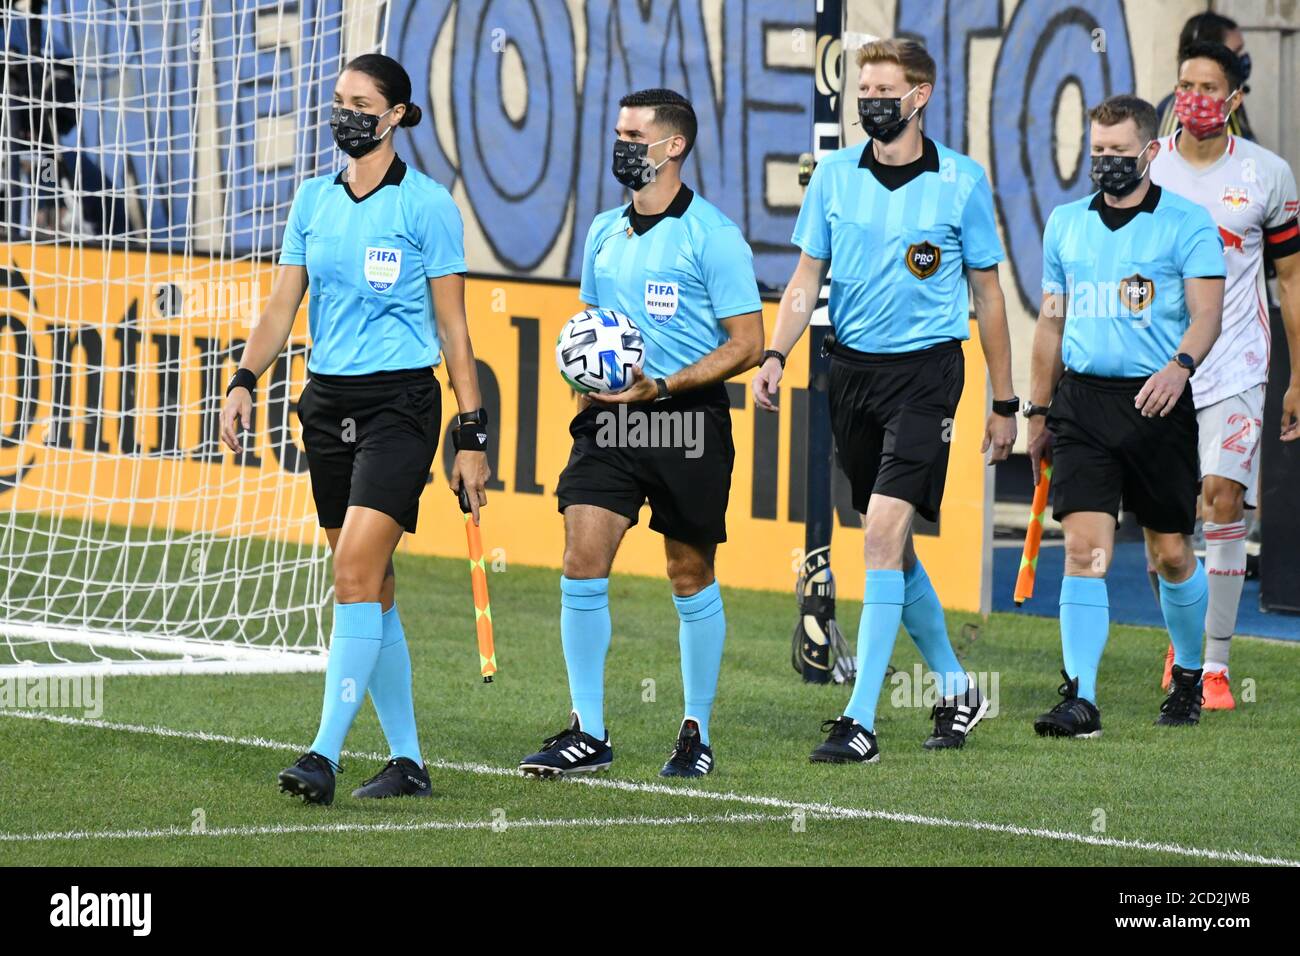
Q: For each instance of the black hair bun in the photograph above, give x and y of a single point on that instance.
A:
(412, 115)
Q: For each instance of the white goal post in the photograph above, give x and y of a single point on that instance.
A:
(149, 152)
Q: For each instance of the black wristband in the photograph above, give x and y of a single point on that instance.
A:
(243, 378)
(1007, 408)
(470, 433)
(772, 353)
(661, 390)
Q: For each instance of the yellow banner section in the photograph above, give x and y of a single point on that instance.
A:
(112, 369)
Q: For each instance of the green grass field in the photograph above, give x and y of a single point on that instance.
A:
(134, 792)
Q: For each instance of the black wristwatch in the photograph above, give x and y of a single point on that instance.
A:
(1007, 407)
(661, 389)
(470, 433)
(1186, 361)
(243, 378)
(1031, 409)
(772, 353)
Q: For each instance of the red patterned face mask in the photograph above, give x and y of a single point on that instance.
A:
(1201, 115)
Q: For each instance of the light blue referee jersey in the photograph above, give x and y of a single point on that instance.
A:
(899, 239)
(676, 280)
(1123, 273)
(369, 262)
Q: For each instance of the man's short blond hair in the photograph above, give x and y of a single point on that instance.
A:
(918, 66)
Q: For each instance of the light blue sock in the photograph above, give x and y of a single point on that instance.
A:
(701, 635)
(390, 690)
(1085, 625)
(1183, 606)
(584, 632)
(882, 612)
(354, 647)
(924, 621)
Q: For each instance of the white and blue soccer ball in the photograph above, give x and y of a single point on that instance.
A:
(598, 349)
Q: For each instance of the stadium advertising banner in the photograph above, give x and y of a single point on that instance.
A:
(116, 419)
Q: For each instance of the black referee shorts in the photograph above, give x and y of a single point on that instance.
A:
(370, 441)
(677, 454)
(892, 417)
(1105, 454)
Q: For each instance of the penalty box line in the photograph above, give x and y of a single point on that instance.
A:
(822, 810)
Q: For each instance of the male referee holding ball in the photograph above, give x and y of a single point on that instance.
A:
(683, 272)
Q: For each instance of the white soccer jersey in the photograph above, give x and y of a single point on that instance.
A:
(1251, 193)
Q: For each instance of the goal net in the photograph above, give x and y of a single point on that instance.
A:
(149, 151)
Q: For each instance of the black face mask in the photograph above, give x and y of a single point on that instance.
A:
(882, 117)
(632, 166)
(354, 131)
(1117, 175)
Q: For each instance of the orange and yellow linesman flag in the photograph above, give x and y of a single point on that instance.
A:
(1033, 536)
(487, 654)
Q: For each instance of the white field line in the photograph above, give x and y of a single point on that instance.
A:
(503, 826)
(824, 810)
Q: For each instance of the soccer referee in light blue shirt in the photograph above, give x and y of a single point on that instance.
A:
(379, 250)
(904, 224)
(682, 271)
(1133, 280)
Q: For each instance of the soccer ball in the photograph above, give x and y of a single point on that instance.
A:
(598, 349)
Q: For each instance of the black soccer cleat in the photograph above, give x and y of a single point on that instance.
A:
(848, 742)
(955, 717)
(570, 751)
(1182, 708)
(1073, 716)
(311, 777)
(401, 777)
(690, 757)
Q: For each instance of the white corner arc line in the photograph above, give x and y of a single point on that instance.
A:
(816, 809)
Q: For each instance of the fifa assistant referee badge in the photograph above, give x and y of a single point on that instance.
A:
(1007, 408)
(243, 378)
(470, 433)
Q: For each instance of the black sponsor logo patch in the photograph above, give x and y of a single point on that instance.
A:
(923, 259)
(1136, 292)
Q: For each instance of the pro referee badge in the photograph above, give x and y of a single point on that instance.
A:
(1136, 292)
(660, 300)
(383, 266)
(923, 259)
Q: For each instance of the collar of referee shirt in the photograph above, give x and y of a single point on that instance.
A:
(392, 177)
(1114, 218)
(893, 177)
(642, 224)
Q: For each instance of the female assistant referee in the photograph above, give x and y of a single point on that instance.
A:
(380, 249)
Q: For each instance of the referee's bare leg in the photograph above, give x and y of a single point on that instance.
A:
(363, 556)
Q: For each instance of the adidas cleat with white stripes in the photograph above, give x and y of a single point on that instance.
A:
(955, 717)
(690, 757)
(572, 750)
(848, 742)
